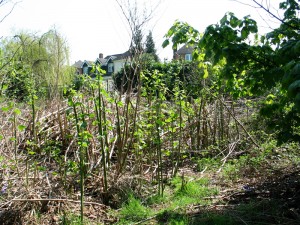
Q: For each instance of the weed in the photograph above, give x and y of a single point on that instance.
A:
(207, 164)
(156, 199)
(71, 219)
(231, 171)
(172, 217)
(188, 192)
(134, 210)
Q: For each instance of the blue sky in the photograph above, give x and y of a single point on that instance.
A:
(98, 26)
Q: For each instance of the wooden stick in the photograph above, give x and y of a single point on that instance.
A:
(242, 126)
(56, 200)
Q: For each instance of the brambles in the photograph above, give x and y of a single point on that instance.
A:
(175, 144)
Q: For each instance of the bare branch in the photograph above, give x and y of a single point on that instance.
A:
(3, 2)
(9, 11)
(136, 18)
(267, 9)
(246, 4)
(125, 15)
(132, 14)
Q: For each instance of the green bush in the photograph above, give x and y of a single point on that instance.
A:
(185, 74)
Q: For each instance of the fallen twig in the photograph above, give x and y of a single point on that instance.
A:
(57, 200)
(231, 149)
(145, 220)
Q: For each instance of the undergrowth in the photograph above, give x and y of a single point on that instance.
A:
(129, 156)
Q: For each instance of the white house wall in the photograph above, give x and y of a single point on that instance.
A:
(118, 65)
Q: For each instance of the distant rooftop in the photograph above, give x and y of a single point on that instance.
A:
(186, 49)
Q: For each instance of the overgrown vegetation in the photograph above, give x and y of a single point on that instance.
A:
(176, 143)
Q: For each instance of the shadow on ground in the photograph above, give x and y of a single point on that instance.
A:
(273, 201)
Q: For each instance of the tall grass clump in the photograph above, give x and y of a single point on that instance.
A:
(134, 210)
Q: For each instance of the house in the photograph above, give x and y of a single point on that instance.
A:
(87, 67)
(78, 67)
(111, 64)
(184, 53)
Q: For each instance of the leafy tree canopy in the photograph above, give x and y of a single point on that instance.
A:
(30, 61)
(252, 65)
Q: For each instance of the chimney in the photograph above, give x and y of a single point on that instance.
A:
(101, 56)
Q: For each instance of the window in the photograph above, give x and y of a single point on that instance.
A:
(85, 70)
(110, 67)
(188, 57)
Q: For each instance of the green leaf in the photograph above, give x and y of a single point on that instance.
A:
(234, 22)
(297, 101)
(294, 88)
(205, 73)
(95, 122)
(31, 152)
(296, 48)
(78, 104)
(54, 173)
(244, 33)
(42, 168)
(17, 111)
(175, 144)
(12, 139)
(166, 43)
(21, 127)
(84, 144)
(5, 109)
(4, 87)
(91, 115)
(83, 125)
(149, 125)
(120, 104)
(167, 153)
(224, 20)
(159, 122)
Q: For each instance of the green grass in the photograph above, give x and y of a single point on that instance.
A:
(72, 219)
(253, 213)
(172, 217)
(194, 189)
(208, 164)
(180, 193)
(185, 191)
(133, 211)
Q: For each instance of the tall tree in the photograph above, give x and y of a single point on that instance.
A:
(38, 59)
(136, 47)
(137, 18)
(150, 46)
(58, 51)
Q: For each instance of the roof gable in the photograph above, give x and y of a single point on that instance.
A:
(78, 64)
(124, 55)
(87, 63)
(101, 61)
(186, 49)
